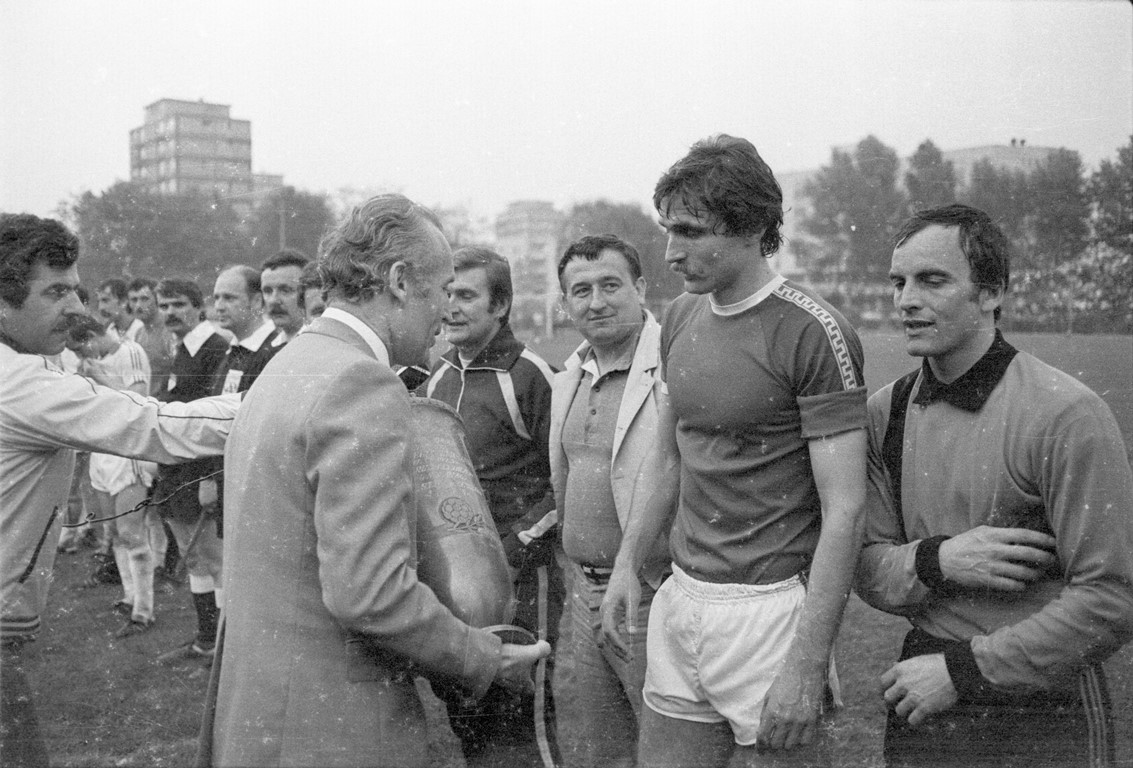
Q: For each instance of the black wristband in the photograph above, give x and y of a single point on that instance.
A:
(928, 564)
(967, 679)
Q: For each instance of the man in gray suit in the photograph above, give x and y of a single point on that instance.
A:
(326, 622)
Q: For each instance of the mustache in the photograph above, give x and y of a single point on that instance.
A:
(81, 327)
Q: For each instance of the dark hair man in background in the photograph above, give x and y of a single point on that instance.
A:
(280, 276)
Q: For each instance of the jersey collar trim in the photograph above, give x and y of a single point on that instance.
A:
(743, 305)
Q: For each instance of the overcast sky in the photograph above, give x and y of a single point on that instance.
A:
(480, 103)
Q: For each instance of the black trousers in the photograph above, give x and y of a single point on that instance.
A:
(1058, 729)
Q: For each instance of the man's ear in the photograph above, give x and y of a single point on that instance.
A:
(991, 298)
(258, 298)
(500, 310)
(398, 282)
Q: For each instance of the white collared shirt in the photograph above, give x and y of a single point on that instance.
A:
(366, 332)
(253, 341)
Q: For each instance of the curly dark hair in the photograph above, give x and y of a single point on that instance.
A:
(25, 241)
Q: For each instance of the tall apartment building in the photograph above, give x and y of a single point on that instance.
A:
(527, 235)
(192, 145)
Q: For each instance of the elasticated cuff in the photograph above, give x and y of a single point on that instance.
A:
(928, 563)
(965, 673)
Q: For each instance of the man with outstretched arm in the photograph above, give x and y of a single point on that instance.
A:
(761, 442)
(45, 416)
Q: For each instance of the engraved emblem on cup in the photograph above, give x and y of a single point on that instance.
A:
(460, 514)
(459, 552)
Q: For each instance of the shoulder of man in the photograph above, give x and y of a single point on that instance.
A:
(443, 365)
(507, 352)
(531, 364)
(1063, 399)
(805, 306)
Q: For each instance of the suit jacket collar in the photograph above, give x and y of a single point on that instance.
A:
(970, 391)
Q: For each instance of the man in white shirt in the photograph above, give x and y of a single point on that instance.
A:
(120, 483)
(114, 306)
(45, 415)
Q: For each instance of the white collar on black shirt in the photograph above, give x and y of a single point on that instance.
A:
(745, 304)
(196, 338)
(253, 341)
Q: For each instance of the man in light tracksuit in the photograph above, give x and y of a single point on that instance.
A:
(45, 416)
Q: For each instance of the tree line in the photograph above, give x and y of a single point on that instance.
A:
(1071, 234)
(126, 230)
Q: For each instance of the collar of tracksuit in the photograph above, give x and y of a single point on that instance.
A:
(500, 354)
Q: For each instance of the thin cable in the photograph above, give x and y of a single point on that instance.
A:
(141, 504)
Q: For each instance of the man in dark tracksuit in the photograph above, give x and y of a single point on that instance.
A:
(503, 393)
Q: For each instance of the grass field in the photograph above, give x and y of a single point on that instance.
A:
(104, 702)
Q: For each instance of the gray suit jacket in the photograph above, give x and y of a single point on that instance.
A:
(325, 620)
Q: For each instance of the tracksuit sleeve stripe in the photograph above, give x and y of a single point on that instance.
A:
(507, 389)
